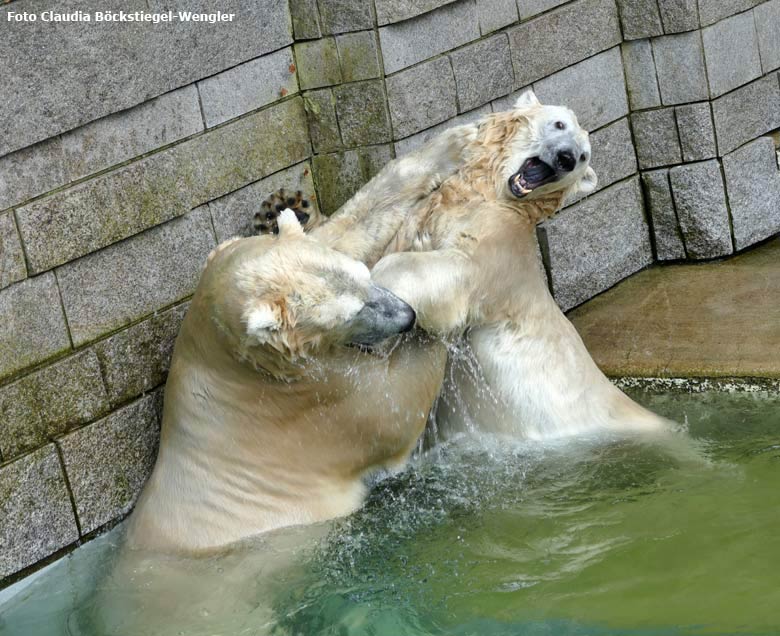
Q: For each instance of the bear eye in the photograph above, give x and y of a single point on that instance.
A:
(583, 157)
(560, 125)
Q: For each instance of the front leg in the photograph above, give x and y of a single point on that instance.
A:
(369, 221)
(437, 284)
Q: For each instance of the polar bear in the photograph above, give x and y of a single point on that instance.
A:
(274, 410)
(468, 263)
(269, 419)
(465, 258)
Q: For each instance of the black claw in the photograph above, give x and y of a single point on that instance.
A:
(279, 207)
(290, 201)
(270, 216)
(303, 218)
(276, 229)
(262, 227)
(304, 204)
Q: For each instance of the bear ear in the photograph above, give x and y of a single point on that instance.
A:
(589, 182)
(260, 319)
(527, 99)
(289, 226)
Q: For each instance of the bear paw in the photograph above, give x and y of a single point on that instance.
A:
(266, 221)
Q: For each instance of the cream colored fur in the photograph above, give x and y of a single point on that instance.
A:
(466, 260)
(269, 427)
(269, 419)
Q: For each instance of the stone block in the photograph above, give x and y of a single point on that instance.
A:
(38, 101)
(697, 135)
(529, 8)
(655, 136)
(318, 63)
(361, 109)
(640, 18)
(768, 26)
(710, 11)
(248, 86)
(108, 462)
(339, 16)
(340, 175)
(746, 113)
(122, 136)
(594, 89)
(33, 327)
(641, 81)
(31, 171)
(358, 56)
(679, 64)
(126, 281)
(507, 102)
(244, 151)
(612, 153)
(596, 243)
(36, 516)
(566, 36)
(233, 213)
(421, 97)
(483, 71)
(48, 402)
(753, 184)
(136, 360)
(408, 43)
(12, 266)
(405, 146)
(679, 15)
(390, 11)
(99, 212)
(495, 14)
(669, 244)
(731, 52)
(305, 19)
(700, 202)
(109, 208)
(324, 131)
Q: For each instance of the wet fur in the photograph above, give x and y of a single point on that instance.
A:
(269, 419)
(465, 258)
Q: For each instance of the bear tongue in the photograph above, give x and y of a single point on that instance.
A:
(537, 171)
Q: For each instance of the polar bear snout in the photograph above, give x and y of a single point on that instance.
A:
(565, 161)
(383, 315)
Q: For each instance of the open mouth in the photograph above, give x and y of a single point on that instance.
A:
(533, 174)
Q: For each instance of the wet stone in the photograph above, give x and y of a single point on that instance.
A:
(33, 327)
(362, 114)
(136, 360)
(669, 244)
(340, 175)
(700, 202)
(108, 462)
(36, 516)
(12, 266)
(48, 402)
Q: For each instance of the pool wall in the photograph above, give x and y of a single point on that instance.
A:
(128, 150)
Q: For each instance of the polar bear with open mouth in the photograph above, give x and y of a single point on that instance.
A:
(465, 258)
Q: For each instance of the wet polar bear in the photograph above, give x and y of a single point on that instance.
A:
(468, 263)
(465, 258)
(270, 419)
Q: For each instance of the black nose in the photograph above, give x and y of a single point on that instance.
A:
(566, 161)
(409, 317)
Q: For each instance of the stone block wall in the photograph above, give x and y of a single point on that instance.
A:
(128, 151)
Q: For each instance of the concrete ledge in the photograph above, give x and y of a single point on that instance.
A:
(718, 320)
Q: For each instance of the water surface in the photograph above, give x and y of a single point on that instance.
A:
(487, 537)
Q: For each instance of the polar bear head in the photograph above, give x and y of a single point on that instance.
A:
(539, 151)
(293, 295)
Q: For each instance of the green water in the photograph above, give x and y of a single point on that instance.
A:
(587, 536)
